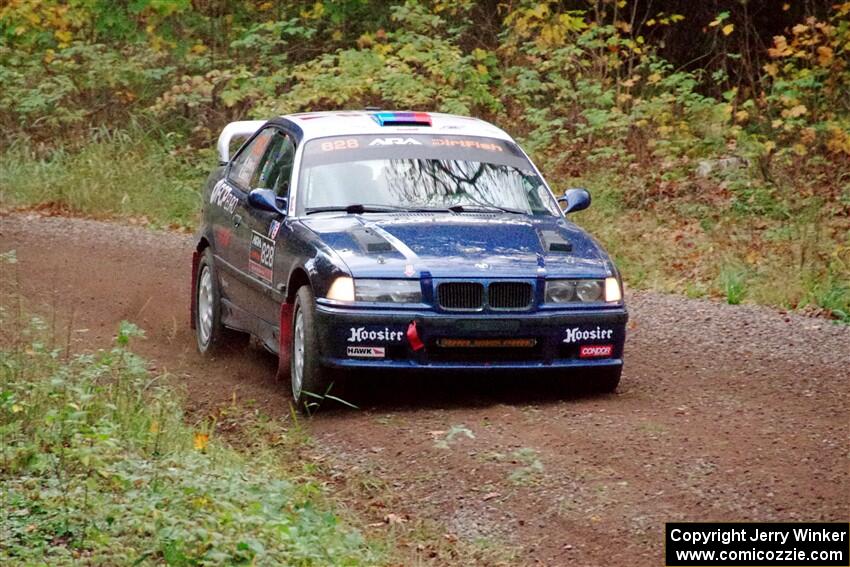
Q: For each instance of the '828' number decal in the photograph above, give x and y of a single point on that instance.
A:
(334, 145)
(261, 257)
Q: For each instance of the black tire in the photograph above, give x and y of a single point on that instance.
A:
(313, 377)
(213, 336)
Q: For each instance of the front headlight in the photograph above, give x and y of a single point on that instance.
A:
(583, 291)
(560, 291)
(342, 289)
(589, 290)
(388, 291)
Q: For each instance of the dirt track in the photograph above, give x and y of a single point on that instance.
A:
(724, 413)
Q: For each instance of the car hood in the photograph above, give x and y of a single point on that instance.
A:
(450, 245)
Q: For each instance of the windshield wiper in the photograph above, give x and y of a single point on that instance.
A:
(483, 209)
(359, 208)
(354, 209)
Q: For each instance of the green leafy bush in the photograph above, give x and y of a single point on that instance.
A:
(98, 466)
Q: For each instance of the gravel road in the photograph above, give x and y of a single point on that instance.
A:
(724, 413)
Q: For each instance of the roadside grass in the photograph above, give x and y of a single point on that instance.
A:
(834, 295)
(529, 468)
(733, 280)
(118, 173)
(99, 466)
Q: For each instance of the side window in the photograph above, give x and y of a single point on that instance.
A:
(276, 167)
(245, 164)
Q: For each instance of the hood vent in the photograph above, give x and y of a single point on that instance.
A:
(554, 242)
(377, 247)
(371, 242)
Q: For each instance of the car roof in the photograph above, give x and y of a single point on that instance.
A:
(340, 123)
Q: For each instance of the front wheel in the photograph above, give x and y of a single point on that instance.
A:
(306, 374)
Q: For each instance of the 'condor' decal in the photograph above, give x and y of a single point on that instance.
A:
(595, 351)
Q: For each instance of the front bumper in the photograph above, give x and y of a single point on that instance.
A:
(359, 338)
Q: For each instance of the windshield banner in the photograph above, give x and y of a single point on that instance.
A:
(339, 149)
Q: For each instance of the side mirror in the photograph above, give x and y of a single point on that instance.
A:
(266, 200)
(575, 200)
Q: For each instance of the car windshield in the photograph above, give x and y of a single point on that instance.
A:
(419, 172)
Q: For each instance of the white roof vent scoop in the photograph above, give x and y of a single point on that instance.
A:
(235, 130)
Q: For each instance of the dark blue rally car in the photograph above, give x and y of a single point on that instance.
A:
(400, 240)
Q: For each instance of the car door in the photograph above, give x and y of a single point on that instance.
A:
(269, 230)
(232, 231)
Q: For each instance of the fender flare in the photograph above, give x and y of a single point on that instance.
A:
(284, 353)
(193, 300)
(287, 307)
